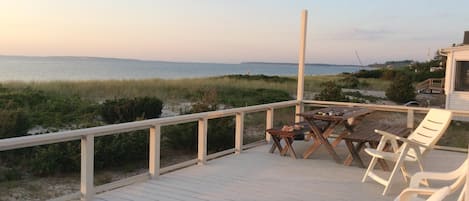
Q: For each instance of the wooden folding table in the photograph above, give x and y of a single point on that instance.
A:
(333, 116)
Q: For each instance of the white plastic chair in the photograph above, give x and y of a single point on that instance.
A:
(459, 176)
(410, 194)
(423, 138)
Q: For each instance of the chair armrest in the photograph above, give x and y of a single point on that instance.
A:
(457, 174)
(393, 136)
(409, 193)
(419, 176)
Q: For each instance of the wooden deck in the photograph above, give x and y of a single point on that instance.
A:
(257, 175)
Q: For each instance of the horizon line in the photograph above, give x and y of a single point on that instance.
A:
(168, 61)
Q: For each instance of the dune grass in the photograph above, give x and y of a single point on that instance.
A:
(173, 90)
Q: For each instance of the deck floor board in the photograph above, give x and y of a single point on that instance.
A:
(256, 175)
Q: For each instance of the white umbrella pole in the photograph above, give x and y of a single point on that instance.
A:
(301, 65)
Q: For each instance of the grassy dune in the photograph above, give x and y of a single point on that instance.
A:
(173, 90)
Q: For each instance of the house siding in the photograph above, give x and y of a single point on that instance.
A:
(458, 101)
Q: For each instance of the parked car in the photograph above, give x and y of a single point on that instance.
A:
(412, 104)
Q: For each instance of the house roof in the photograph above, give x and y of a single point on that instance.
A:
(455, 49)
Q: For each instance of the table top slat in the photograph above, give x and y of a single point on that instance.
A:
(335, 113)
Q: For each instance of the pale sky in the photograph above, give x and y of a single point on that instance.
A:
(232, 31)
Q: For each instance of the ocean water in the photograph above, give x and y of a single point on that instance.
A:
(19, 68)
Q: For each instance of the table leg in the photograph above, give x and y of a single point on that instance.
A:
(323, 139)
(284, 150)
(272, 148)
(311, 149)
(354, 153)
(289, 146)
(339, 138)
(276, 144)
(348, 160)
(331, 150)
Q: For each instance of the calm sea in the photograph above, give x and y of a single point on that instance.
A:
(87, 68)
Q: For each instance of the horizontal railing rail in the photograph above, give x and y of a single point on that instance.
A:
(431, 83)
(50, 138)
(387, 108)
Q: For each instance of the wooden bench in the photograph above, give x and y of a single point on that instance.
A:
(364, 135)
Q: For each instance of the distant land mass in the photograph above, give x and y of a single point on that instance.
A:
(71, 58)
(310, 64)
(145, 60)
(392, 64)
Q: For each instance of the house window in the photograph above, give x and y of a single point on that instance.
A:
(462, 76)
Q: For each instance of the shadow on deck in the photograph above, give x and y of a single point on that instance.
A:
(256, 174)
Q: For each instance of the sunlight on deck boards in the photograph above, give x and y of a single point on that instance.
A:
(257, 175)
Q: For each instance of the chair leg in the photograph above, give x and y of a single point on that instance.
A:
(425, 181)
(391, 178)
(374, 160)
(371, 166)
(398, 165)
(405, 173)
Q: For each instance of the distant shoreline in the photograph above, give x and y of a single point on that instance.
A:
(162, 61)
(308, 64)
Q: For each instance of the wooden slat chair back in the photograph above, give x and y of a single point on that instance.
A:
(427, 134)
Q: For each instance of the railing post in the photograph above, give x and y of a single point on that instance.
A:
(87, 168)
(155, 150)
(202, 148)
(269, 123)
(239, 132)
(410, 118)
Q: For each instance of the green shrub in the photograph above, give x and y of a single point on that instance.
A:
(10, 174)
(260, 77)
(220, 131)
(375, 73)
(116, 150)
(220, 135)
(349, 81)
(401, 89)
(181, 137)
(358, 97)
(388, 74)
(127, 110)
(110, 151)
(422, 76)
(241, 97)
(22, 108)
(55, 158)
(13, 123)
(364, 84)
(48, 109)
(331, 91)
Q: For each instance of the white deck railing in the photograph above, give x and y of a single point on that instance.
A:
(87, 188)
(87, 135)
